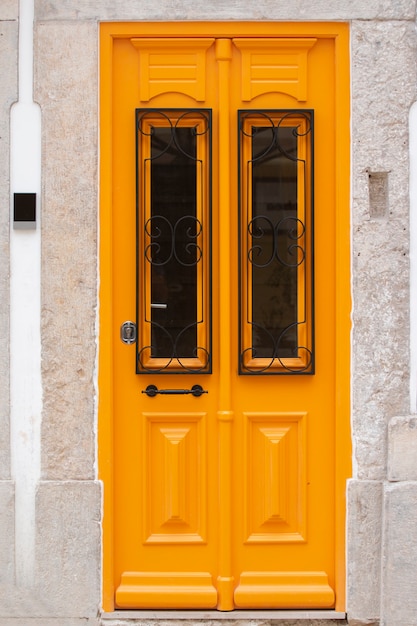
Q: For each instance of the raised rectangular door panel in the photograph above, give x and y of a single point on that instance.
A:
(175, 590)
(225, 241)
(274, 65)
(275, 485)
(175, 478)
(172, 65)
(284, 589)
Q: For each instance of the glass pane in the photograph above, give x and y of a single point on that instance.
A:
(275, 198)
(173, 229)
(274, 218)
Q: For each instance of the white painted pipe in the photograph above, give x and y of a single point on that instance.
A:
(25, 283)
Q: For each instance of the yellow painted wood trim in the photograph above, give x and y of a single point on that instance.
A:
(192, 590)
(283, 589)
(225, 581)
(105, 357)
(343, 444)
(129, 30)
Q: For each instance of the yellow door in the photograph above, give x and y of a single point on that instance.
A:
(225, 270)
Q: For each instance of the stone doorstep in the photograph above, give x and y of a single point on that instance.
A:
(244, 618)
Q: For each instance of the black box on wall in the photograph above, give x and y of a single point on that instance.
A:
(24, 210)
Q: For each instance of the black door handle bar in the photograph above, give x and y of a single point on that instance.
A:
(152, 391)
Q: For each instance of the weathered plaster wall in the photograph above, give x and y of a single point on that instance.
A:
(382, 508)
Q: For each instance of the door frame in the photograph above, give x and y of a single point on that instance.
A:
(330, 30)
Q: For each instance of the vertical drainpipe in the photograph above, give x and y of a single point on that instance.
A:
(413, 258)
(25, 290)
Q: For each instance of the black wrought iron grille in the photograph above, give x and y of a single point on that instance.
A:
(173, 240)
(276, 241)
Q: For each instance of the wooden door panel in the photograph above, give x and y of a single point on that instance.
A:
(174, 470)
(283, 589)
(165, 468)
(172, 65)
(274, 65)
(173, 590)
(226, 500)
(275, 479)
(294, 560)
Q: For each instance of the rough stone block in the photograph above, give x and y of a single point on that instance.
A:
(6, 533)
(364, 505)
(67, 579)
(380, 251)
(402, 448)
(66, 79)
(9, 9)
(68, 549)
(399, 561)
(234, 9)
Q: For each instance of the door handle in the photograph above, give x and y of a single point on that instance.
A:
(152, 391)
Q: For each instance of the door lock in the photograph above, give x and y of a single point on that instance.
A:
(128, 332)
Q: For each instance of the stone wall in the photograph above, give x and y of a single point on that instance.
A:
(382, 495)
(381, 99)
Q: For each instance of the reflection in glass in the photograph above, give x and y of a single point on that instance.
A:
(173, 229)
(173, 240)
(276, 333)
(274, 217)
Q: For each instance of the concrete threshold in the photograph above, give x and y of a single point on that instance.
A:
(223, 615)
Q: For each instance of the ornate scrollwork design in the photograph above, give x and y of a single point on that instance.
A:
(303, 354)
(276, 201)
(262, 227)
(265, 121)
(146, 353)
(174, 237)
(182, 120)
(173, 234)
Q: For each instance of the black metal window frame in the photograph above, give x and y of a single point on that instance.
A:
(279, 365)
(176, 364)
